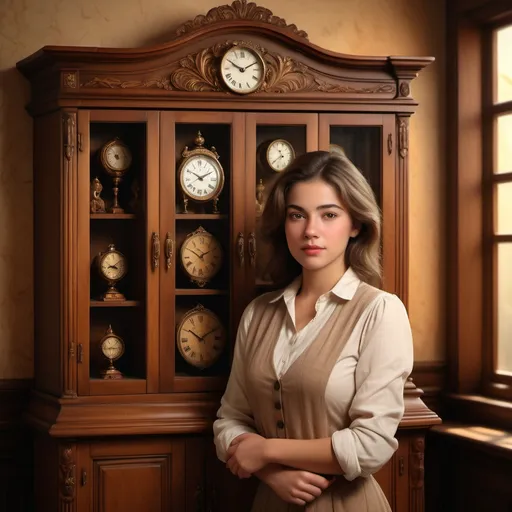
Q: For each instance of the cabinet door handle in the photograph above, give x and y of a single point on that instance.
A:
(401, 466)
(84, 478)
(252, 248)
(155, 250)
(169, 250)
(240, 244)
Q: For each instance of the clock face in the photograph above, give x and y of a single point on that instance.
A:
(201, 337)
(201, 256)
(280, 154)
(201, 177)
(116, 156)
(113, 265)
(112, 347)
(242, 69)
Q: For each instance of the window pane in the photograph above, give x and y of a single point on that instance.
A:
(504, 209)
(504, 307)
(504, 59)
(504, 143)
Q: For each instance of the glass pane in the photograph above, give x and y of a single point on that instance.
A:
(504, 209)
(362, 144)
(504, 144)
(504, 64)
(202, 236)
(504, 307)
(276, 146)
(117, 250)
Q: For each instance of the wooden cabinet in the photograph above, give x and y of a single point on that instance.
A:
(117, 443)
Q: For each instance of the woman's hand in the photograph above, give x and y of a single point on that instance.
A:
(294, 485)
(246, 455)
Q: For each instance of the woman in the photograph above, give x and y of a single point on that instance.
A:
(315, 393)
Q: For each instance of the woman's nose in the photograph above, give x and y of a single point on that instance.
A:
(310, 230)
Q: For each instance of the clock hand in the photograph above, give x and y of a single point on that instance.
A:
(195, 175)
(200, 256)
(255, 62)
(280, 156)
(208, 333)
(198, 337)
(236, 66)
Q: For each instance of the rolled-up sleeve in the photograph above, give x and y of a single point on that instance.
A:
(234, 416)
(385, 362)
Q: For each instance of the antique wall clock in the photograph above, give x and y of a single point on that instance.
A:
(242, 69)
(200, 174)
(201, 337)
(201, 256)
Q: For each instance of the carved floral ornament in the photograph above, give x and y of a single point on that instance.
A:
(198, 72)
(238, 10)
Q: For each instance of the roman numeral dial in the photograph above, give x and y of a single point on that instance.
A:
(201, 337)
(201, 256)
(242, 69)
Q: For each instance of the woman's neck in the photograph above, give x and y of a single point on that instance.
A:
(317, 282)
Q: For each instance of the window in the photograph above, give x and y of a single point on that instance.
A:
(497, 205)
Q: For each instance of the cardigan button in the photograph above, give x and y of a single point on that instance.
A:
(277, 405)
(277, 386)
(280, 424)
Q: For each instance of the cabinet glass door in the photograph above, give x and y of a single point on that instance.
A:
(117, 212)
(201, 184)
(272, 142)
(366, 139)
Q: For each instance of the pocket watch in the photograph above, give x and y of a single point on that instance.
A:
(280, 154)
(112, 347)
(112, 267)
(242, 69)
(201, 176)
(201, 256)
(201, 337)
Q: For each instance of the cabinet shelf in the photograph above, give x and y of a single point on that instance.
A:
(124, 386)
(113, 216)
(201, 216)
(200, 291)
(123, 304)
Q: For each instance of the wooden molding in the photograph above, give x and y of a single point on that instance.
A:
(238, 10)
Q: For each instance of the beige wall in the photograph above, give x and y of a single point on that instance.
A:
(375, 27)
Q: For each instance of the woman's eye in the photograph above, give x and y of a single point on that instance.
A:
(296, 216)
(330, 215)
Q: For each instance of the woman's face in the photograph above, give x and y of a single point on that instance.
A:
(317, 226)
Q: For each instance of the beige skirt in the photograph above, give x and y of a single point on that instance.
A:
(360, 495)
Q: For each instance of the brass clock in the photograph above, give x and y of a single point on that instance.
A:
(201, 337)
(112, 267)
(242, 69)
(280, 154)
(116, 159)
(201, 256)
(200, 174)
(112, 347)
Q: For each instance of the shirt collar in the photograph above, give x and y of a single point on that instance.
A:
(345, 288)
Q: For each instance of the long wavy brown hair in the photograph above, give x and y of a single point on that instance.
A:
(363, 251)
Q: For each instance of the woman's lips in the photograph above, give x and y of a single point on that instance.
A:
(312, 250)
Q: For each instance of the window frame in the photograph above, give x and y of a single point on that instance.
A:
(474, 391)
(494, 383)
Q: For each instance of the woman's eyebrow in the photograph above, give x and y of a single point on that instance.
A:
(321, 207)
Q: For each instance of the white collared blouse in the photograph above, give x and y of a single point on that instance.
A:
(364, 393)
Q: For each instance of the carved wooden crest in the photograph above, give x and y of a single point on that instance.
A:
(238, 10)
(198, 72)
